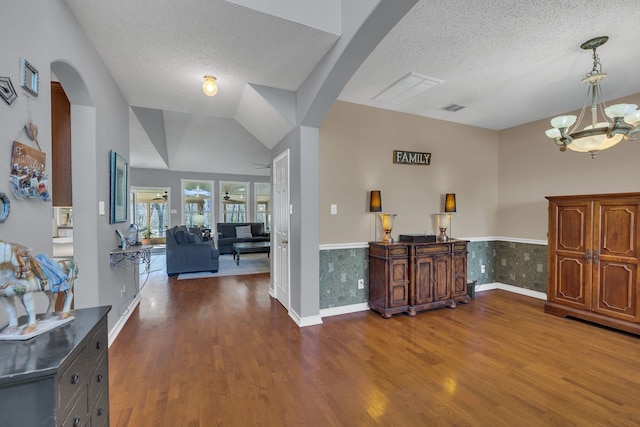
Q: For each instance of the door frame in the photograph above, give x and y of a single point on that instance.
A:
(276, 264)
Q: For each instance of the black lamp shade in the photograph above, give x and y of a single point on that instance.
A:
(375, 203)
(450, 203)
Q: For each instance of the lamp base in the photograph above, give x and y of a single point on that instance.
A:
(387, 237)
(442, 237)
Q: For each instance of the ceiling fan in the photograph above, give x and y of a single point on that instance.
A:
(262, 165)
(159, 198)
(228, 198)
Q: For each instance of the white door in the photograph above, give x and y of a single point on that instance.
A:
(281, 223)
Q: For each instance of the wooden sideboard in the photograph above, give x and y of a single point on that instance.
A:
(593, 259)
(59, 378)
(411, 277)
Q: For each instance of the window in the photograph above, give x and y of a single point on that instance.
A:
(150, 211)
(233, 201)
(263, 203)
(197, 199)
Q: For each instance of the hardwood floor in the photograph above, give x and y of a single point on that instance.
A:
(221, 352)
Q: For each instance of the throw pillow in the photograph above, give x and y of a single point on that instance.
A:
(182, 238)
(193, 238)
(242, 232)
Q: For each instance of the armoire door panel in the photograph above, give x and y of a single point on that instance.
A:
(573, 228)
(615, 290)
(618, 228)
(572, 282)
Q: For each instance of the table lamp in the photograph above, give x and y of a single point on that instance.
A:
(449, 207)
(375, 205)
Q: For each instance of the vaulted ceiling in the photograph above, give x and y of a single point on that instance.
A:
(506, 62)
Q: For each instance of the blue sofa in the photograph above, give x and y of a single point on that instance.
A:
(227, 235)
(186, 253)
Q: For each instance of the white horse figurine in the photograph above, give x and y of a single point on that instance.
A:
(22, 274)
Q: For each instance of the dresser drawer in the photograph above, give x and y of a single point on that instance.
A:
(78, 415)
(100, 412)
(98, 344)
(71, 382)
(99, 379)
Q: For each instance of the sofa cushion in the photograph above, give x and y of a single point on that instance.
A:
(193, 238)
(243, 232)
(182, 236)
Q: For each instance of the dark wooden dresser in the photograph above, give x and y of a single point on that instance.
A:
(410, 277)
(59, 378)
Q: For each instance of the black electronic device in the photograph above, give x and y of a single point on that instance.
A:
(417, 238)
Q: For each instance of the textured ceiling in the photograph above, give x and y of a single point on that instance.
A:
(508, 62)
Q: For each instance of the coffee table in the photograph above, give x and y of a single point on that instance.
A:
(250, 248)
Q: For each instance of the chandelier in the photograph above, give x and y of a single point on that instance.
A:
(599, 133)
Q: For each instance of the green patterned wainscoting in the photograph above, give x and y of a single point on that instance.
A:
(340, 270)
(481, 253)
(522, 264)
(512, 263)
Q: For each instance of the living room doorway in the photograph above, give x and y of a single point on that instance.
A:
(150, 212)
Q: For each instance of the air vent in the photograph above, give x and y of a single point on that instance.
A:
(453, 108)
(409, 86)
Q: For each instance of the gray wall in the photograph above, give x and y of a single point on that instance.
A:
(48, 36)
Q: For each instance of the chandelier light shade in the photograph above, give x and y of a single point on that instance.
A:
(210, 86)
(604, 126)
(450, 203)
(375, 201)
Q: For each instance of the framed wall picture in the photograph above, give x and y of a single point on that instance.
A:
(30, 77)
(119, 186)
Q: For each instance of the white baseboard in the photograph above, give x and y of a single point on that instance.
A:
(345, 309)
(354, 308)
(113, 334)
(511, 288)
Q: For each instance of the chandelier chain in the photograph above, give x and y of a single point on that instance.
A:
(597, 66)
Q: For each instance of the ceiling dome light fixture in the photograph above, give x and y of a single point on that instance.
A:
(210, 87)
(599, 134)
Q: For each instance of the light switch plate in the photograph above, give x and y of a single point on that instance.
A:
(100, 207)
(334, 209)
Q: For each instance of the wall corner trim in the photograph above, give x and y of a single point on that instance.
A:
(305, 321)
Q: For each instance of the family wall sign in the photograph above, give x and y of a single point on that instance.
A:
(411, 158)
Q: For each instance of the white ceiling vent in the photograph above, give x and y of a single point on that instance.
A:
(453, 107)
(409, 86)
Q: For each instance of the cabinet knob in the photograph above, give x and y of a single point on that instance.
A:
(76, 421)
(100, 412)
(588, 255)
(74, 378)
(99, 378)
(99, 345)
